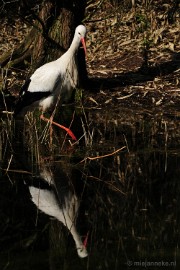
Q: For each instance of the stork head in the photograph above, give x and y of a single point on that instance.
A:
(82, 251)
(80, 32)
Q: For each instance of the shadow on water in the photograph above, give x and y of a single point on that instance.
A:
(127, 201)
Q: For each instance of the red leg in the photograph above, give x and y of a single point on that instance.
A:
(60, 126)
(86, 240)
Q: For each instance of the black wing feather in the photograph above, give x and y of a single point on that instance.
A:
(26, 99)
(24, 88)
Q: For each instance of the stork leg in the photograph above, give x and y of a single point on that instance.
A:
(71, 134)
(86, 240)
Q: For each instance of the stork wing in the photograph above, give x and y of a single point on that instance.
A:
(45, 78)
(40, 85)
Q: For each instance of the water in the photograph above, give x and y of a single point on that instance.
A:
(129, 198)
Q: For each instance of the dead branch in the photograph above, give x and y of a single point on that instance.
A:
(103, 156)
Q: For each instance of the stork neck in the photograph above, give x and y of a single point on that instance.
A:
(74, 45)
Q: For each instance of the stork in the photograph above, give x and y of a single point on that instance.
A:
(60, 204)
(53, 82)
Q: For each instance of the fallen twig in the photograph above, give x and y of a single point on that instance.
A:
(103, 156)
(127, 96)
(16, 171)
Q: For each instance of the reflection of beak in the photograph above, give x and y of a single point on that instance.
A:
(84, 44)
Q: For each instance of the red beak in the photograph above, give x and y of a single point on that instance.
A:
(84, 44)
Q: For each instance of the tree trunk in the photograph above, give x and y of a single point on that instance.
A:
(57, 23)
(70, 13)
(51, 35)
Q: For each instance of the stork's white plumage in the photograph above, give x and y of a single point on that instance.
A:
(62, 206)
(54, 81)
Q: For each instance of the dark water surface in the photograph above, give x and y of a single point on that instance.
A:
(129, 199)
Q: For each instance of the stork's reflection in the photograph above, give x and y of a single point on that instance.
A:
(51, 184)
(54, 195)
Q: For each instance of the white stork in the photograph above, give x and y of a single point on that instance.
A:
(60, 204)
(52, 82)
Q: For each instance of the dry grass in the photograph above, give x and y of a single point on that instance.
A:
(120, 40)
(114, 32)
(137, 50)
